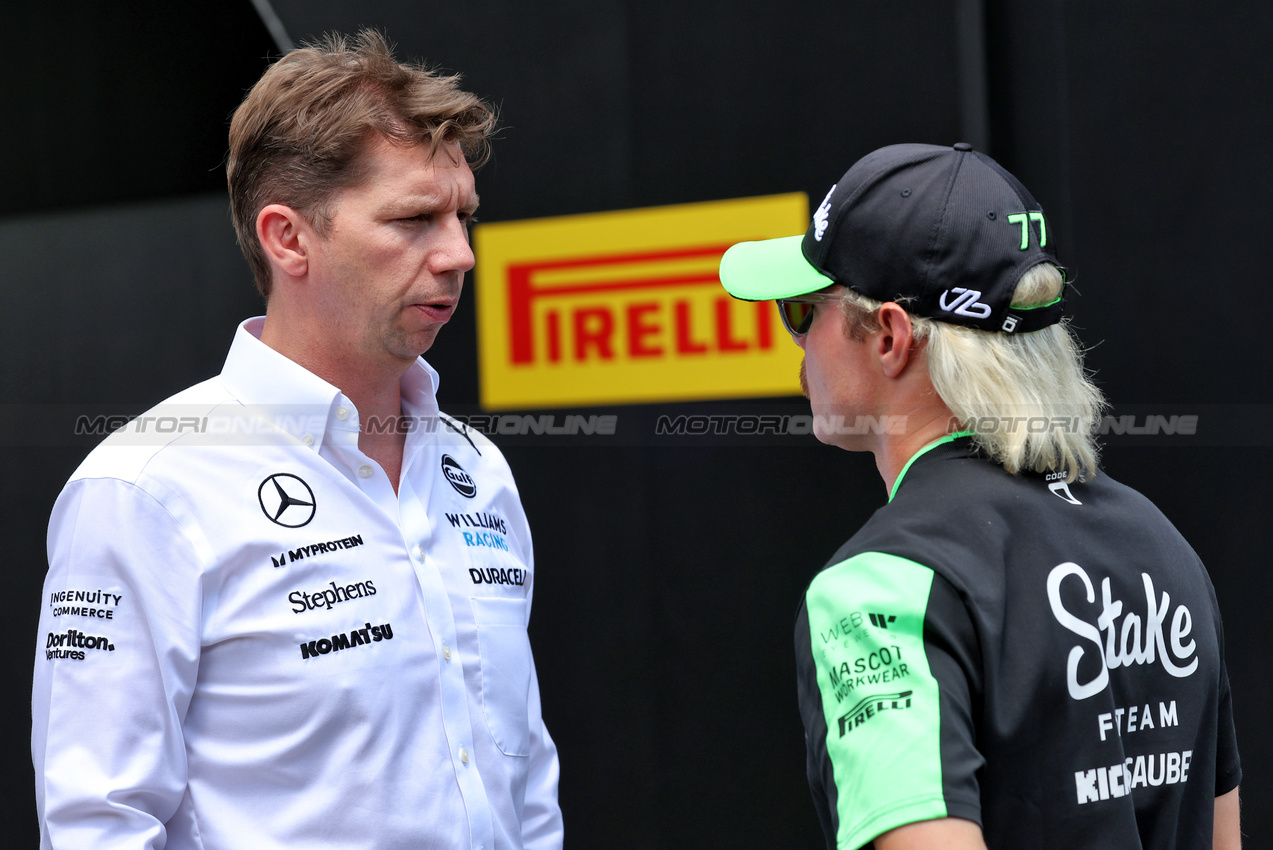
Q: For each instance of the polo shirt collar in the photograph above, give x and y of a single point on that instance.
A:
(299, 402)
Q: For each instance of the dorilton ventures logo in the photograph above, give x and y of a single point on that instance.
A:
(72, 644)
(286, 500)
(458, 478)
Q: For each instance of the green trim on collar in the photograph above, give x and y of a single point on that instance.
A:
(934, 444)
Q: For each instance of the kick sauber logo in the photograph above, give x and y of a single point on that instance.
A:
(286, 500)
(627, 306)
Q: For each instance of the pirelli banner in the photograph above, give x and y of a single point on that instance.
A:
(627, 307)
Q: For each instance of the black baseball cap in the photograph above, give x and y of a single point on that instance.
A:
(945, 231)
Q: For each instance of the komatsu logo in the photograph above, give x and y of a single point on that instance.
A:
(358, 637)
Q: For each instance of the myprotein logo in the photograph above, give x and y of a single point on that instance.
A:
(967, 302)
(1129, 636)
(458, 478)
(286, 500)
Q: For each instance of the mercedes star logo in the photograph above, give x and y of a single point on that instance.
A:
(286, 500)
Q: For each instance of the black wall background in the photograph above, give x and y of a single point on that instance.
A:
(668, 571)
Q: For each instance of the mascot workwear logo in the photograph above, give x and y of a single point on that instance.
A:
(286, 500)
(967, 304)
(1133, 640)
(820, 217)
(458, 478)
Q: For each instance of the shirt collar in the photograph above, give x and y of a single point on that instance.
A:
(303, 404)
(949, 438)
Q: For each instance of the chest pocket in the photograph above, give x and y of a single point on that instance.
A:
(504, 648)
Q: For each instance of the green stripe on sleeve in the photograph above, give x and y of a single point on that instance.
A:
(879, 698)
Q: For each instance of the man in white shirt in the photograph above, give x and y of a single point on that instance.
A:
(287, 607)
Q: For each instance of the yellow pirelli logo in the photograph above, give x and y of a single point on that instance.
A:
(625, 307)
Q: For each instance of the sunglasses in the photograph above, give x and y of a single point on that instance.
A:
(797, 312)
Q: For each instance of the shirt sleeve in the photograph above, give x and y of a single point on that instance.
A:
(116, 661)
(542, 827)
(888, 677)
(541, 816)
(1228, 763)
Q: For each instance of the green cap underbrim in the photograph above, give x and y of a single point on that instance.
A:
(769, 269)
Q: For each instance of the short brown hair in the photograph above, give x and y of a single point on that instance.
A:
(299, 135)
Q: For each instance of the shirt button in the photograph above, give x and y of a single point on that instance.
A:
(364, 471)
(446, 652)
(464, 756)
(342, 413)
(308, 439)
(419, 553)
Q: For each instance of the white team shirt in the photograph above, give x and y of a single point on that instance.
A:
(247, 639)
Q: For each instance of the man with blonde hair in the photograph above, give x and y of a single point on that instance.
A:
(1015, 651)
(302, 621)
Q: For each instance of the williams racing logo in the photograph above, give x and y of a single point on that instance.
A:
(458, 478)
(872, 706)
(286, 500)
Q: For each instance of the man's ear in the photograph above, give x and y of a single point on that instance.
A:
(284, 234)
(893, 341)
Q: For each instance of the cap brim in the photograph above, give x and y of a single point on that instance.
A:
(769, 269)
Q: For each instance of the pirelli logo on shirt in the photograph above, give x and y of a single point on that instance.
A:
(870, 707)
(627, 307)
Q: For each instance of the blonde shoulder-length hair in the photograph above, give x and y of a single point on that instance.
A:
(1026, 397)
